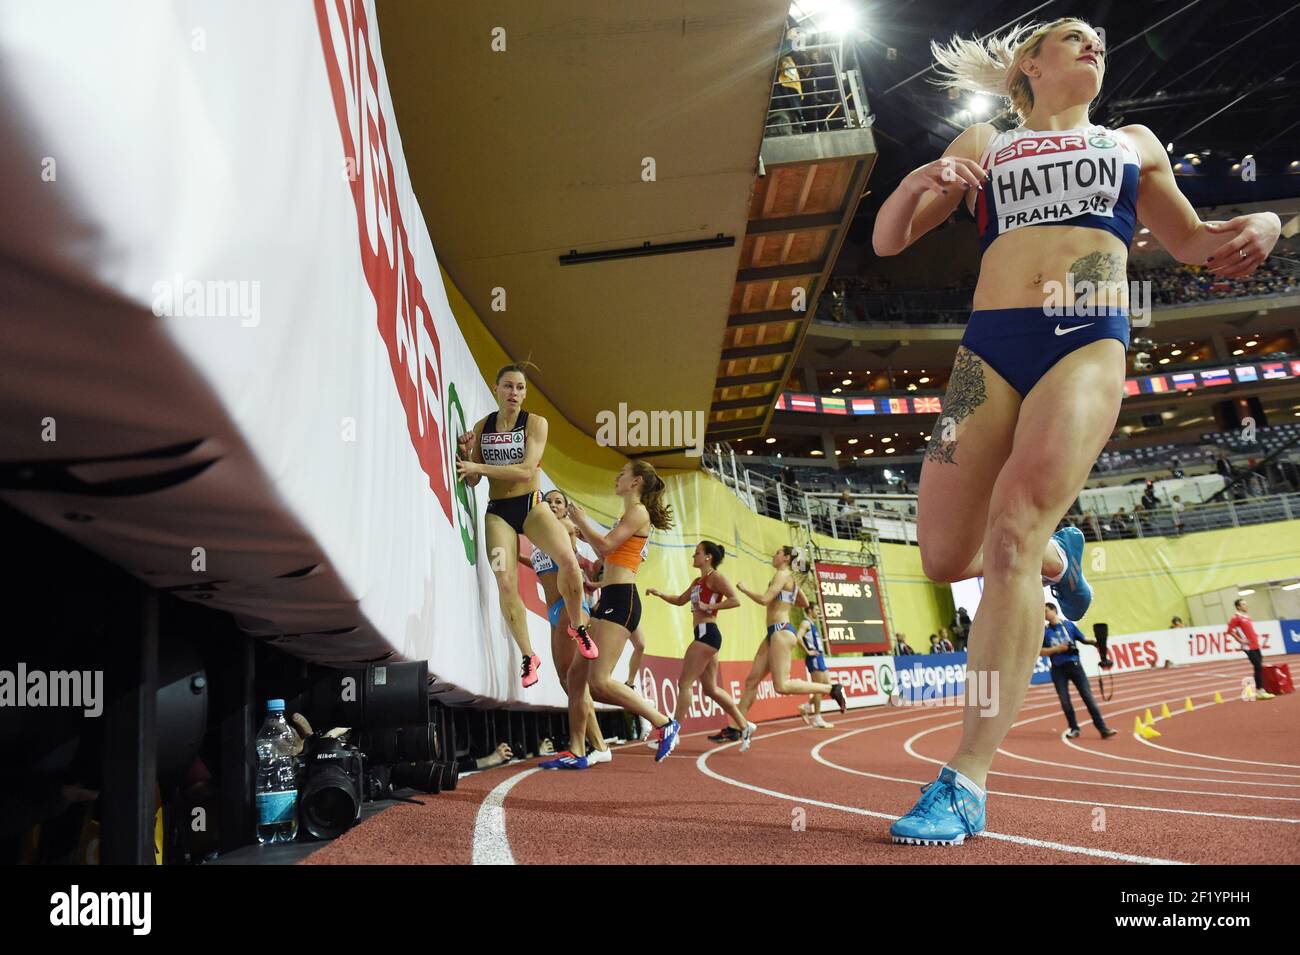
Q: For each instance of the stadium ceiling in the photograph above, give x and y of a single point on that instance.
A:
(1211, 75)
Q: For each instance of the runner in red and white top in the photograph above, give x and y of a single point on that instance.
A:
(1241, 628)
(708, 593)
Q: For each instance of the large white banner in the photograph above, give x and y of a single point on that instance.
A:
(229, 357)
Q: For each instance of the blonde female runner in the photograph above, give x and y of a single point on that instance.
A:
(1037, 382)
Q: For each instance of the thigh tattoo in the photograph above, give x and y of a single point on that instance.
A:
(966, 392)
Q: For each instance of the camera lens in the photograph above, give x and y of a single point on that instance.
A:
(403, 744)
(425, 777)
(329, 805)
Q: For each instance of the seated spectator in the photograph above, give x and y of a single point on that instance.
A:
(901, 647)
(945, 641)
(934, 643)
(1175, 623)
(1123, 523)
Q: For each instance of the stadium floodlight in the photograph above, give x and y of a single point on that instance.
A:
(837, 17)
(979, 105)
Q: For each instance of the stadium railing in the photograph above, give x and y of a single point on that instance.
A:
(892, 517)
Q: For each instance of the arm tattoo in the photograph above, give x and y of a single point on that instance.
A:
(966, 392)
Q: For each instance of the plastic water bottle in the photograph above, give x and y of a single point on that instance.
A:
(277, 778)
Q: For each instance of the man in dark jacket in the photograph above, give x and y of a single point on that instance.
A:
(1060, 639)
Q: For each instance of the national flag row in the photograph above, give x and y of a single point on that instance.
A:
(828, 404)
(1142, 385)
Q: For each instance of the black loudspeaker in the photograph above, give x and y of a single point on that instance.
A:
(1101, 633)
(182, 707)
(1231, 413)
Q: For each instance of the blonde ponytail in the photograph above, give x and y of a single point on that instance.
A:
(992, 66)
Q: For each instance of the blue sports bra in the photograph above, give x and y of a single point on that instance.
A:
(1085, 177)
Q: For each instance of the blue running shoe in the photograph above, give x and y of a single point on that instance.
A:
(667, 740)
(944, 816)
(566, 761)
(1072, 593)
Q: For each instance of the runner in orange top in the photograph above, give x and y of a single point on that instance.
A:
(623, 547)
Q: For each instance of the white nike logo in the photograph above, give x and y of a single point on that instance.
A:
(1066, 331)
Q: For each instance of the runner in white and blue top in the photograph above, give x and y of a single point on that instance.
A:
(815, 661)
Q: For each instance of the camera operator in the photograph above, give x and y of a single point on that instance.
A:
(1060, 637)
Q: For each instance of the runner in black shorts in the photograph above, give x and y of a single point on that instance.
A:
(506, 447)
(623, 548)
(709, 593)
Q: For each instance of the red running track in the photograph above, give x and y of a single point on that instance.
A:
(1220, 785)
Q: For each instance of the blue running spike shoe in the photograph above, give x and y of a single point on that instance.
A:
(945, 815)
(1073, 593)
(566, 761)
(667, 740)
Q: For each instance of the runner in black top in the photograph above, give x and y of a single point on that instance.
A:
(506, 447)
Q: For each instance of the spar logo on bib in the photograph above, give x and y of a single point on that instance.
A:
(405, 323)
(1102, 142)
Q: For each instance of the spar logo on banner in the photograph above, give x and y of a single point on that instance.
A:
(405, 323)
(867, 681)
(466, 506)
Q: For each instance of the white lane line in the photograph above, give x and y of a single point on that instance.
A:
(1220, 759)
(702, 765)
(1200, 769)
(491, 843)
(816, 755)
(1121, 772)
(908, 748)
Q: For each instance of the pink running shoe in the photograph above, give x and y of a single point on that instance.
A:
(586, 646)
(531, 666)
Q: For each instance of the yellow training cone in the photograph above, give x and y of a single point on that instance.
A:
(1218, 697)
(1164, 711)
(1149, 720)
(1188, 705)
(1149, 732)
(1137, 726)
